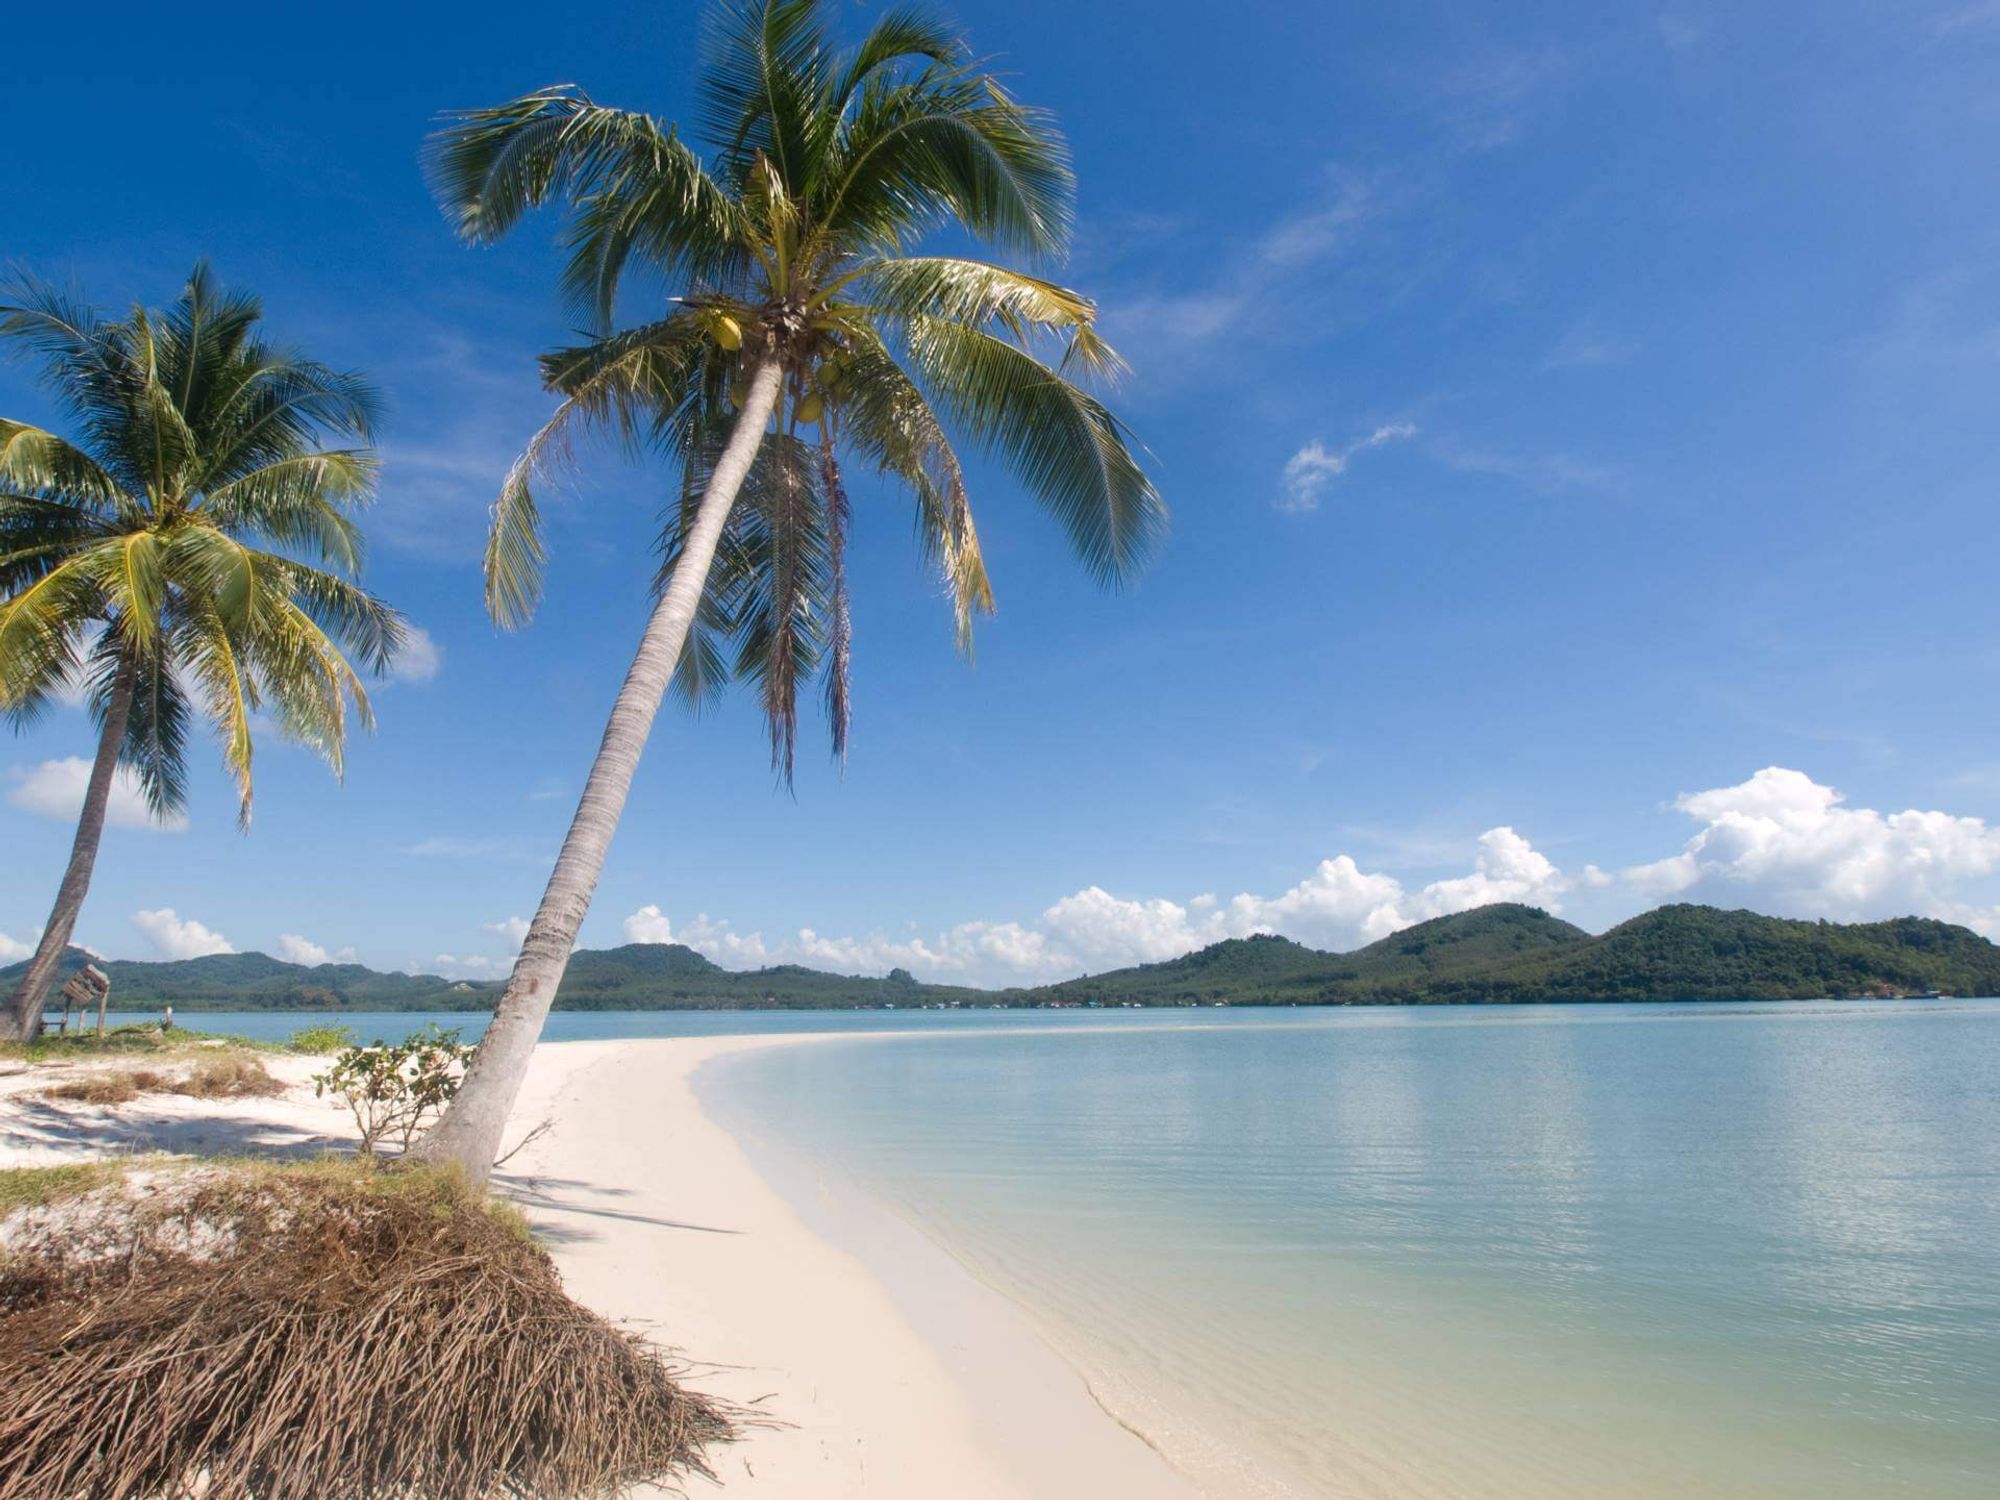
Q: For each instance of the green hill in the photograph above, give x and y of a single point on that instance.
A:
(1499, 953)
(1700, 953)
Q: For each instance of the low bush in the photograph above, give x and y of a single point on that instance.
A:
(396, 1092)
(318, 1040)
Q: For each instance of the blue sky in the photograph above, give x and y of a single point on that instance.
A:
(1568, 412)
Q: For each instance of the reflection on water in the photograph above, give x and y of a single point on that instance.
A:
(1629, 1250)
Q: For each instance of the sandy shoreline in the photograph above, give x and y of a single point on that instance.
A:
(935, 1388)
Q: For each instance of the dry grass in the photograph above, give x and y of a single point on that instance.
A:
(327, 1332)
(222, 1075)
(37, 1187)
(107, 1088)
(228, 1075)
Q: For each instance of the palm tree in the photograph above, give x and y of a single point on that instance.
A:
(135, 561)
(801, 328)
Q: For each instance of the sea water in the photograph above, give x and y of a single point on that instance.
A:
(1634, 1250)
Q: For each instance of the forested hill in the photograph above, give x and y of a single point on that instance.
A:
(1496, 953)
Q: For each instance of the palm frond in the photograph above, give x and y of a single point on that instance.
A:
(158, 723)
(37, 460)
(762, 88)
(635, 188)
(972, 292)
(952, 149)
(889, 419)
(621, 383)
(1063, 443)
(902, 35)
(298, 502)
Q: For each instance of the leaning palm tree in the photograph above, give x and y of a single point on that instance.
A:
(136, 562)
(801, 329)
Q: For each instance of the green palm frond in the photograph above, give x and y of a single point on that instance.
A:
(158, 723)
(765, 77)
(902, 35)
(622, 383)
(971, 292)
(40, 462)
(1062, 442)
(202, 450)
(951, 148)
(638, 189)
(796, 239)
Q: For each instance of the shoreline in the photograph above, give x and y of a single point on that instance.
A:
(900, 1374)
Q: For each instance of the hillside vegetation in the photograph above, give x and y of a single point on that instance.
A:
(1504, 953)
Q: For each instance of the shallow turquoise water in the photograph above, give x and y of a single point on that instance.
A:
(1620, 1250)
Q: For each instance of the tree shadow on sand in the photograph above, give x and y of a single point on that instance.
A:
(40, 1125)
(547, 1199)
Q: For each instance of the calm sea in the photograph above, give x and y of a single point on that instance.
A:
(1609, 1251)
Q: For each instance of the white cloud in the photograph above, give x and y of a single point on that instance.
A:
(471, 966)
(175, 938)
(294, 949)
(55, 788)
(449, 846)
(514, 929)
(10, 950)
(1309, 471)
(1782, 842)
(420, 659)
(1778, 842)
(648, 925)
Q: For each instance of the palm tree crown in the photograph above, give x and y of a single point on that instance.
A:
(790, 241)
(158, 558)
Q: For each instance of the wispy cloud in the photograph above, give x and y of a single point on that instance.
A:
(1308, 471)
(450, 846)
(421, 658)
(1545, 472)
(1267, 284)
(1488, 98)
(1585, 347)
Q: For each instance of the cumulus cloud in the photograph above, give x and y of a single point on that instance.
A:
(1779, 842)
(1339, 905)
(55, 788)
(420, 659)
(175, 938)
(10, 950)
(648, 925)
(294, 949)
(1309, 471)
(1782, 842)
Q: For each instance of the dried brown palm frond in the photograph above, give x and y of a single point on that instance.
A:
(322, 1334)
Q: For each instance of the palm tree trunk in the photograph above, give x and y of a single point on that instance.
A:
(23, 1017)
(469, 1134)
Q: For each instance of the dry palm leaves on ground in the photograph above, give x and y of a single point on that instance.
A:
(327, 1333)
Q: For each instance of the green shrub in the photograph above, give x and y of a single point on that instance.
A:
(320, 1039)
(396, 1092)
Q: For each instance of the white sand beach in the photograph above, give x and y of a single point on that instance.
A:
(933, 1387)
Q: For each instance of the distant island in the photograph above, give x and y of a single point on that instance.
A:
(1499, 953)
